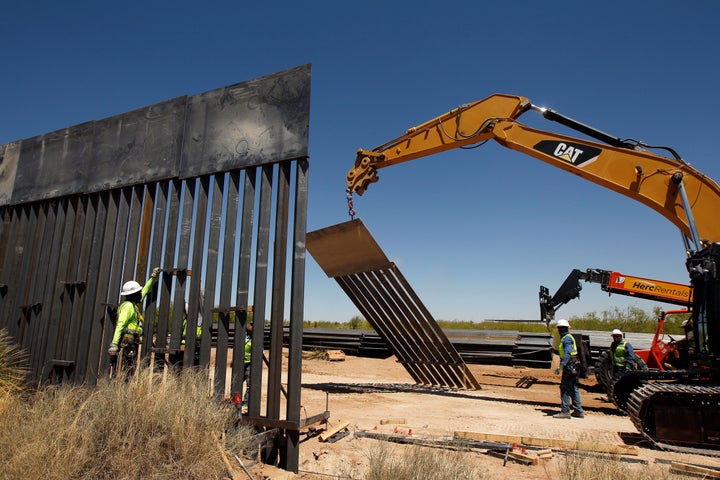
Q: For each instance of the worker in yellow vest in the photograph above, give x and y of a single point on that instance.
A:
(621, 353)
(129, 325)
(570, 368)
(246, 365)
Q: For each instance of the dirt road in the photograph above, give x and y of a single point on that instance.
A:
(364, 392)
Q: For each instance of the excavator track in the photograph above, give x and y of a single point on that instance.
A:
(674, 411)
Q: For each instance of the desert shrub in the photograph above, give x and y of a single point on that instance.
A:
(146, 426)
(584, 467)
(420, 463)
(13, 365)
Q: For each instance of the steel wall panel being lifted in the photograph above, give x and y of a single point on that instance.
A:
(349, 254)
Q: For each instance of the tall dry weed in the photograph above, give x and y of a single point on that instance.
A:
(420, 463)
(586, 467)
(13, 365)
(148, 425)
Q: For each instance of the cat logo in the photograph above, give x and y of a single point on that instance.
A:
(570, 152)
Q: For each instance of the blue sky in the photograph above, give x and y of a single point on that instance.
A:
(474, 232)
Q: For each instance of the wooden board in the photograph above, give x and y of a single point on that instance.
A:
(551, 442)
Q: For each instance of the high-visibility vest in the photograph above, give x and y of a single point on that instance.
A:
(561, 347)
(248, 348)
(620, 354)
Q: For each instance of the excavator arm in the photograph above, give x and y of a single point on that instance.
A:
(669, 186)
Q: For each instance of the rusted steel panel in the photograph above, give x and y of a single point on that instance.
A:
(22, 280)
(226, 281)
(9, 157)
(54, 164)
(345, 249)
(348, 253)
(89, 207)
(421, 354)
(297, 290)
(445, 348)
(94, 230)
(277, 307)
(172, 191)
(182, 263)
(353, 287)
(260, 293)
(105, 305)
(137, 147)
(260, 121)
(447, 361)
(196, 265)
(244, 262)
(204, 308)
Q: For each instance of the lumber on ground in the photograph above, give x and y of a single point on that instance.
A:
(551, 442)
(688, 468)
(324, 436)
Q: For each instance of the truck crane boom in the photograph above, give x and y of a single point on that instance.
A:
(613, 282)
(669, 186)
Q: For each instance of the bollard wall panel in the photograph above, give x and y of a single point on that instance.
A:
(197, 185)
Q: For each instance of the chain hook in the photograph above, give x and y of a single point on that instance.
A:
(351, 209)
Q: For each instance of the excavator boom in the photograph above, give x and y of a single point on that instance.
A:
(653, 399)
(669, 186)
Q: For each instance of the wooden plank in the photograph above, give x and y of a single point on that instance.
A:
(336, 355)
(706, 472)
(527, 459)
(394, 421)
(324, 436)
(585, 445)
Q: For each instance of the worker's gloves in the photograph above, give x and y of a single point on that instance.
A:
(558, 370)
(156, 271)
(113, 350)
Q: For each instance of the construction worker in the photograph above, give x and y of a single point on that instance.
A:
(246, 360)
(129, 326)
(621, 353)
(570, 368)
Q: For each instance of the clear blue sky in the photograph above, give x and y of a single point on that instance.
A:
(474, 232)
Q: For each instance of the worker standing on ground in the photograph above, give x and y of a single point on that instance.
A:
(129, 326)
(570, 368)
(246, 369)
(621, 353)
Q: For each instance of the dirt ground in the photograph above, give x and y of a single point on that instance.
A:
(364, 392)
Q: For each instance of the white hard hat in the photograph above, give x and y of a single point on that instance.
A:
(130, 287)
(616, 332)
(563, 323)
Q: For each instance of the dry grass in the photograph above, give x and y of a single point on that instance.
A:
(420, 463)
(147, 426)
(583, 467)
(13, 365)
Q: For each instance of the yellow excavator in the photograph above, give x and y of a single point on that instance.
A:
(675, 409)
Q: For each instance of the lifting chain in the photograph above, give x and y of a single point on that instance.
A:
(351, 209)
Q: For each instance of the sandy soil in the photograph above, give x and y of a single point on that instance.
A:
(364, 392)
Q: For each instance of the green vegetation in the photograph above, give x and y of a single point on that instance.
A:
(630, 319)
